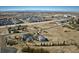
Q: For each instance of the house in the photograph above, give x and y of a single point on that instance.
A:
(27, 37)
(42, 38)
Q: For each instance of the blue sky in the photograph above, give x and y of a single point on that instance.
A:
(40, 8)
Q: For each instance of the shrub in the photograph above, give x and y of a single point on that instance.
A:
(11, 42)
(33, 50)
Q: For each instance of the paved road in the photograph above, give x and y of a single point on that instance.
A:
(27, 24)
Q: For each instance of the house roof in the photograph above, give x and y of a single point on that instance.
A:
(42, 38)
(27, 37)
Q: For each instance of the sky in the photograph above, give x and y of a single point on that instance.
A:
(39, 8)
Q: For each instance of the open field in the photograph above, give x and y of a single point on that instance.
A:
(55, 34)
